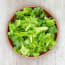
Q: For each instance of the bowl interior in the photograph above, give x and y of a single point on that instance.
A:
(14, 17)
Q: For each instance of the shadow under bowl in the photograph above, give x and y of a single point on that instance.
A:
(13, 17)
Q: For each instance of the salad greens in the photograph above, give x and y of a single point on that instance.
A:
(32, 32)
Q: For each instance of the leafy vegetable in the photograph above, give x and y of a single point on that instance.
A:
(32, 32)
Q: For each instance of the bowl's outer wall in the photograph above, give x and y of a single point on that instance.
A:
(49, 13)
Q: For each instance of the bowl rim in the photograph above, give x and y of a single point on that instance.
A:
(50, 13)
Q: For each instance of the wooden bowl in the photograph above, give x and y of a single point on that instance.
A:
(48, 13)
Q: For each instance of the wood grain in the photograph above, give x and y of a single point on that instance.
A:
(8, 57)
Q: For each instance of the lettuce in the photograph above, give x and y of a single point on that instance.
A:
(32, 32)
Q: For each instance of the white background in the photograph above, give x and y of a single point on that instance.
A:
(56, 56)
